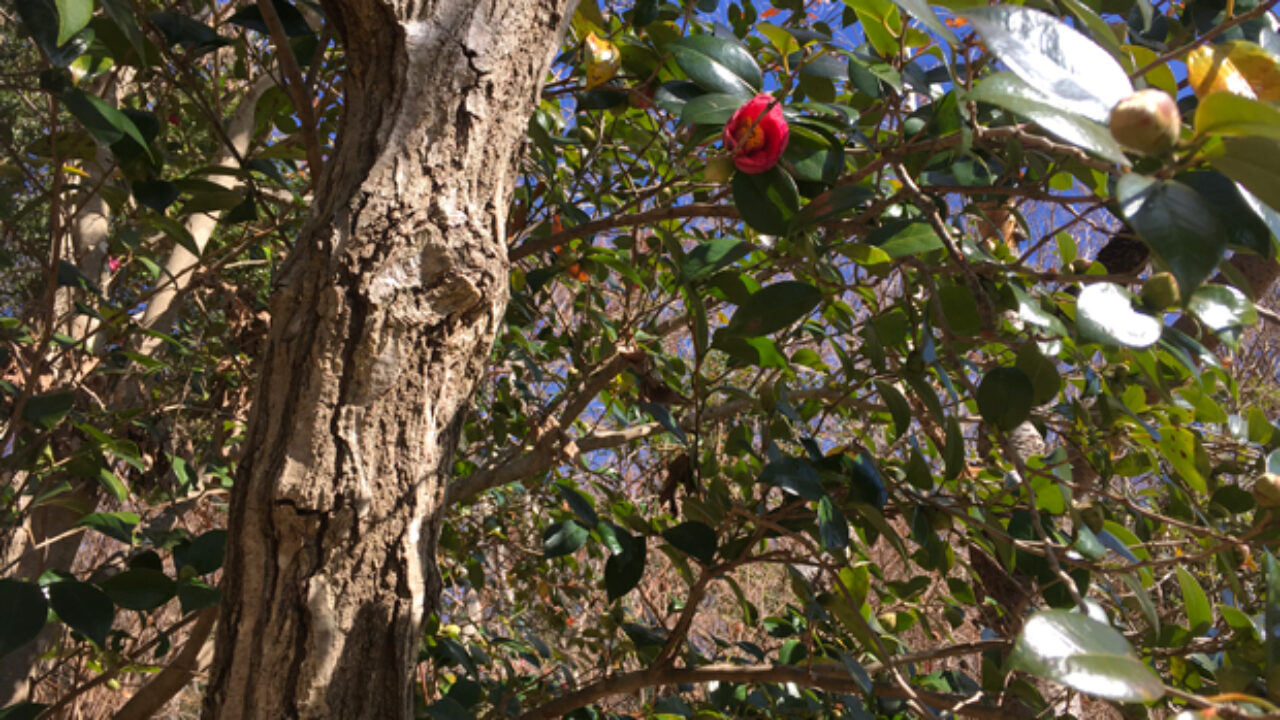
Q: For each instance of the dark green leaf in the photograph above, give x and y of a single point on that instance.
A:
(46, 411)
(203, 554)
(767, 201)
(898, 407)
(194, 36)
(663, 416)
(580, 505)
(118, 525)
(622, 571)
(1082, 653)
(250, 16)
(84, 607)
(1177, 223)
(718, 65)
(140, 588)
(832, 525)
(712, 256)
(1272, 613)
(831, 204)
(1005, 397)
(757, 351)
(795, 475)
(1194, 601)
(564, 538)
(709, 109)
(1244, 227)
(195, 595)
(772, 308)
(42, 20)
(73, 15)
(24, 614)
(903, 238)
(1224, 310)
(1068, 68)
(693, 538)
(105, 123)
(1253, 162)
(1105, 314)
(155, 194)
(22, 711)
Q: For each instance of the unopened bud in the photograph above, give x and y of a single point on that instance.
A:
(1267, 490)
(1146, 122)
(1161, 291)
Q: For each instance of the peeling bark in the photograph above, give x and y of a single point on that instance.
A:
(382, 324)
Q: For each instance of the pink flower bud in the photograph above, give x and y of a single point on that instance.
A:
(757, 134)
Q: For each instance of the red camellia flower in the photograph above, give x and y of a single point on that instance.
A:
(757, 134)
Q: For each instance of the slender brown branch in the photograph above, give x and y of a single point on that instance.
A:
(1178, 52)
(647, 217)
(161, 688)
(294, 83)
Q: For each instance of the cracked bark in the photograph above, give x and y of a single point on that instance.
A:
(381, 325)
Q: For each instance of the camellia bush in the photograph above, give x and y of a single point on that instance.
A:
(862, 359)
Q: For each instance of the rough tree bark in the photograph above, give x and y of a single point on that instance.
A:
(381, 325)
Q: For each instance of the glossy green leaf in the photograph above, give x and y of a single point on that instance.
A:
(623, 571)
(1196, 603)
(1177, 223)
(204, 554)
(43, 20)
(712, 256)
(73, 16)
(1005, 397)
(1224, 113)
(105, 123)
(1224, 310)
(84, 607)
(1084, 654)
(1069, 69)
(709, 109)
(45, 411)
(899, 409)
(24, 614)
(832, 526)
(795, 475)
(140, 588)
(920, 10)
(1245, 227)
(1105, 314)
(118, 525)
(832, 204)
(772, 308)
(563, 538)
(194, 594)
(1253, 162)
(718, 65)
(1008, 91)
(767, 201)
(760, 352)
(693, 538)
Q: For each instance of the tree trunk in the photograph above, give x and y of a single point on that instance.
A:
(383, 321)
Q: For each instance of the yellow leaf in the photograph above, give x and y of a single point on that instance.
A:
(603, 61)
(1210, 70)
(1260, 68)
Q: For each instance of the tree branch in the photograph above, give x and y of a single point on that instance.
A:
(648, 217)
(153, 696)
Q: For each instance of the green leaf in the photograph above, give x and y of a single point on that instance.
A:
(195, 595)
(73, 16)
(1008, 91)
(710, 257)
(22, 711)
(718, 65)
(1224, 310)
(898, 406)
(1224, 113)
(1071, 70)
(831, 204)
(1084, 654)
(47, 410)
(118, 525)
(756, 351)
(1005, 397)
(1253, 162)
(84, 607)
(815, 156)
(1245, 227)
(693, 538)
(580, 505)
(622, 571)
(44, 22)
(920, 10)
(1105, 314)
(903, 238)
(1043, 373)
(564, 538)
(204, 554)
(114, 486)
(140, 588)
(832, 526)
(1272, 612)
(772, 308)
(104, 122)
(767, 201)
(795, 475)
(663, 416)
(1177, 223)
(1194, 601)
(24, 614)
(709, 109)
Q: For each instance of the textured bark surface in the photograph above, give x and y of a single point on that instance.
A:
(382, 323)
